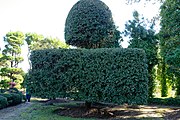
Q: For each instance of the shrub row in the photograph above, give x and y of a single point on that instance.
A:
(2, 90)
(10, 98)
(95, 75)
(3, 102)
(164, 101)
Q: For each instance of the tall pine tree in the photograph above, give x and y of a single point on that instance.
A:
(143, 37)
(12, 56)
(170, 42)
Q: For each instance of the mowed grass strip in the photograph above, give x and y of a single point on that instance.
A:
(39, 111)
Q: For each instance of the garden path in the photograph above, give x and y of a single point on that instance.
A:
(10, 113)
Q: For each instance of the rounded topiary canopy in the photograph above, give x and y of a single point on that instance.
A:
(89, 24)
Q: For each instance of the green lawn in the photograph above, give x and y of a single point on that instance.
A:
(39, 111)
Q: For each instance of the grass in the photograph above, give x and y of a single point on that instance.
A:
(38, 111)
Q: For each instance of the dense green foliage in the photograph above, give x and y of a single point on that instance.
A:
(11, 55)
(16, 98)
(3, 102)
(108, 75)
(164, 101)
(9, 98)
(11, 58)
(170, 42)
(39, 42)
(143, 37)
(89, 24)
(13, 96)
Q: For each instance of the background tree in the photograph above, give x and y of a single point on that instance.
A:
(4, 83)
(37, 42)
(170, 42)
(89, 24)
(11, 57)
(143, 37)
(136, 1)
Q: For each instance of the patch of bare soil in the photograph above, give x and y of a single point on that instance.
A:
(175, 115)
(121, 112)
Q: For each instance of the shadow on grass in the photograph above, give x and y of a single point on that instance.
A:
(73, 110)
(120, 112)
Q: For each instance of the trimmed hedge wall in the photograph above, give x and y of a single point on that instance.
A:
(17, 98)
(95, 75)
(12, 98)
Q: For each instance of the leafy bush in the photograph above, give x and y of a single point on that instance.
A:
(16, 98)
(13, 90)
(3, 102)
(164, 101)
(95, 75)
(9, 98)
(3, 90)
(12, 98)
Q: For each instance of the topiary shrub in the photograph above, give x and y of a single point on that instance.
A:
(89, 24)
(13, 90)
(96, 75)
(3, 102)
(3, 90)
(9, 98)
(16, 99)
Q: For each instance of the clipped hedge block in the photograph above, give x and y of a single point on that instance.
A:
(16, 98)
(96, 75)
(15, 90)
(3, 102)
(12, 98)
(9, 98)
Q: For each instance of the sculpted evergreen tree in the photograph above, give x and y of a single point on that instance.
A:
(89, 24)
(170, 42)
(144, 38)
(11, 54)
(4, 82)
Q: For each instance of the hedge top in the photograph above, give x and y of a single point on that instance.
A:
(89, 24)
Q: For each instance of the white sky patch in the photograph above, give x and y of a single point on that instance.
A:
(47, 17)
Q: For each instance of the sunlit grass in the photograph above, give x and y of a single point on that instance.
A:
(42, 111)
(39, 111)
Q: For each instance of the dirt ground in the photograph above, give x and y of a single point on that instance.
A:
(121, 112)
(110, 112)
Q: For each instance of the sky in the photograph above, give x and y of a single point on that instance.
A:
(47, 17)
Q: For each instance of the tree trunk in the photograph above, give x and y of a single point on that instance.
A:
(163, 80)
(178, 87)
(151, 82)
(88, 104)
